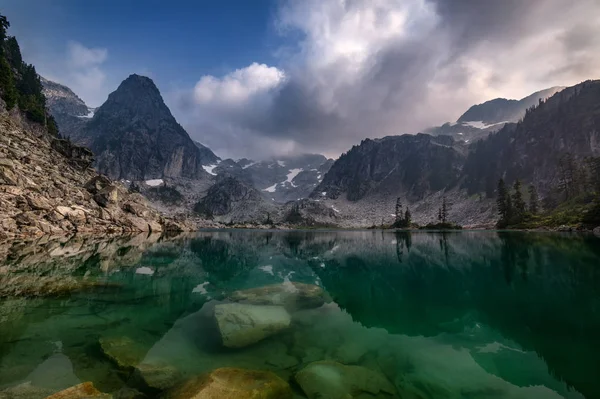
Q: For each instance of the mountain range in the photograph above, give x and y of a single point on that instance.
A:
(135, 138)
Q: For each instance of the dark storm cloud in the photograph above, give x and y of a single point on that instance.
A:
(370, 68)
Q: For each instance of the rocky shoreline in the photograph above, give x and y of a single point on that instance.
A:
(47, 187)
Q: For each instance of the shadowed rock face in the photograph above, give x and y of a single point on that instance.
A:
(135, 136)
(415, 164)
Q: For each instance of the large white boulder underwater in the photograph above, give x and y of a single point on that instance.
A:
(242, 324)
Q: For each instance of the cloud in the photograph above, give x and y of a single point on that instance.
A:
(370, 68)
(83, 57)
(84, 73)
(238, 86)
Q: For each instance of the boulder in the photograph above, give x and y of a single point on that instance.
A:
(123, 351)
(25, 391)
(233, 383)
(155, 376)
(242, 325)
(597, 231)
(74, 215)
(135, 209)
(107, 196)
(7, 176)
(290, 295)
(137, 223)
(82, 391)
(97, 183)
(38, 203)
(332, 380)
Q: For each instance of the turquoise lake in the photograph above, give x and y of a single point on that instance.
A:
(473, 314)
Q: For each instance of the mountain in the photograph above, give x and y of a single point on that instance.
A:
(415, 165)
(280, 180)
(480, 120)
(502, 110)
(566, 124)
(69, 111)
(549, 148)
(135, 137)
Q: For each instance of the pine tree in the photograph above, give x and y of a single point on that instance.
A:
(501, 202)
(518, 204)
(444, 210)
(398, 211)
(407, 218)
(534, 201)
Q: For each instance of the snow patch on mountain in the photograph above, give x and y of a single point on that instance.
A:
(209, 169)
(154, 182)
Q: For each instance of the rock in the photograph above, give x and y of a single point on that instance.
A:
(108, 195)
(332, 380)
(81, 391)
(233, 383)
(25, 391)
(128, 393)
(155, 376)
(97, 183)
(597, 231)
(290, 295)
(135, 209)
(137, 223)
(123, 351)
(242, 325)
(38, 203)
(564, 228)
(74, 215)
(7, 176)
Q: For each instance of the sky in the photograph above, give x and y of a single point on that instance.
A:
(262, 78)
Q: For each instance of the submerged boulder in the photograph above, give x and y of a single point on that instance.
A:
(156, 376)
(123, 351)
(332, 380)
(81, 391)
(290, 295)
(242, 325)
(233, 383)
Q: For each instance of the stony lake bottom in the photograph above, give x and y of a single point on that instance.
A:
(336, 314)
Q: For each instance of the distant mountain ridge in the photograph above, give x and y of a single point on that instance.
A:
(481, 119)
(504, 110)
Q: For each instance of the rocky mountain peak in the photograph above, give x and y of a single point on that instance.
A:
(137, 99)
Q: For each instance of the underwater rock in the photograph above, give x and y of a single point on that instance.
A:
(82, 391)
(233, 383)
(156, 376)
(292, 296)
(332, 380)
(123, 351)
(242, 325)
(25, 391)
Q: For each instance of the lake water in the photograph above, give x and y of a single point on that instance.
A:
(436, 315)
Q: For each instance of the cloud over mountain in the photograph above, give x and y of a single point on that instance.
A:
(369, 68)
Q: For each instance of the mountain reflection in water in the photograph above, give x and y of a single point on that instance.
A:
(440, 315)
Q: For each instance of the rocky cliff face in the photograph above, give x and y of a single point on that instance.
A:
(230, 200)
(69, 111)
(134, 136)
(48, 187)
(413, 164)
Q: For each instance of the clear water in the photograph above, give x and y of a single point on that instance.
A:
(452, 315)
